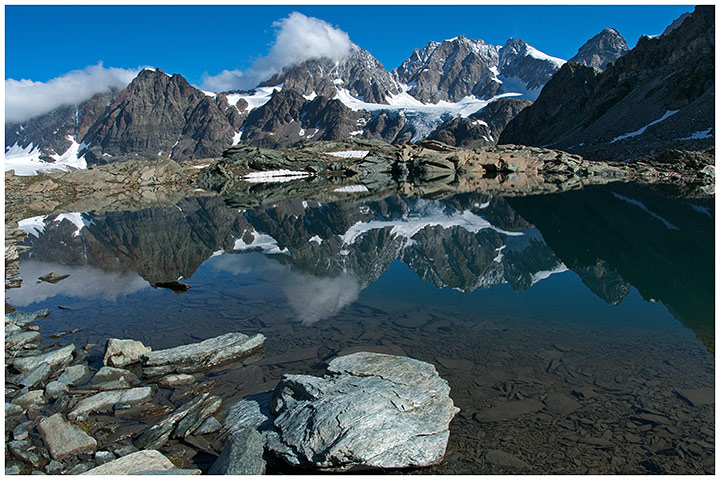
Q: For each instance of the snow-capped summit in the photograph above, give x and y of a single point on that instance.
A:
(456, 68)
(449, 70)
(605, 47)
(361, 74)
(525, 69)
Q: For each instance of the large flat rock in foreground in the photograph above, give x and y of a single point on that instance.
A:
(144, 460)
(201, 356)
(372, 410)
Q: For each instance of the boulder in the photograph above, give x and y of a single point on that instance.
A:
(54, 358)
(203, 355)
(133, 463)
(104, 401)
(65, 439)
(372, 410)
(242, 455)
(122, 352)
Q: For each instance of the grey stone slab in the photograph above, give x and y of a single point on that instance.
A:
(203, 355)
(54, 358)
(697, 396)
(73, 374)
(143, 460)
(104, 401)
(65, 439)
(36, 375)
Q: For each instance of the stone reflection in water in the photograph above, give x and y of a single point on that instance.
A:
(84, 281)
(312, 298)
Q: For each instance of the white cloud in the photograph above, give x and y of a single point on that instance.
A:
(25, 99)
(298, 38)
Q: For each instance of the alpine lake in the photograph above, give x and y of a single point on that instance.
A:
(576, 330)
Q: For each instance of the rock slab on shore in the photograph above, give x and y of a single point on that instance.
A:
(64, 439)
(200, 356)
(373, 410)
(144, 460)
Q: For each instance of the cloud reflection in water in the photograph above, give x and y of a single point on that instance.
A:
(312, 298)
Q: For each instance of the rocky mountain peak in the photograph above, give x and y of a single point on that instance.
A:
(449, 70)
(361, 74)
(676, 23)
(605, 47)
(521, 62)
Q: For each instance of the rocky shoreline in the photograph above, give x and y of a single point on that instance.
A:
(153, 412)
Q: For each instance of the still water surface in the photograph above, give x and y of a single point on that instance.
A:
(560, 321)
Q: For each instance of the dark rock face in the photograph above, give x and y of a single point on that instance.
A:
(605, 47)
(162, 115)
(657, 96)
(290, 118)
(360, 73)
(481, 128)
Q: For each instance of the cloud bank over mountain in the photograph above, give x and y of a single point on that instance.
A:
(298, 38)
(25, 99)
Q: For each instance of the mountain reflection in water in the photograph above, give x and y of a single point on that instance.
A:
(576, 304)
(322, 255)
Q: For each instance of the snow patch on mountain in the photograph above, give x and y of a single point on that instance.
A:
(26, 161)
(257, 98)
(642, 130)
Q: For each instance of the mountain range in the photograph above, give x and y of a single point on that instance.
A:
(319, 99)
(460, 91)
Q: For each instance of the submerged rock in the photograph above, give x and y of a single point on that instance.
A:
(119, 353)
(203, 355)
(64, 439)
(373, 410)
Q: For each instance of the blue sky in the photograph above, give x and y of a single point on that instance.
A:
(43, 42)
